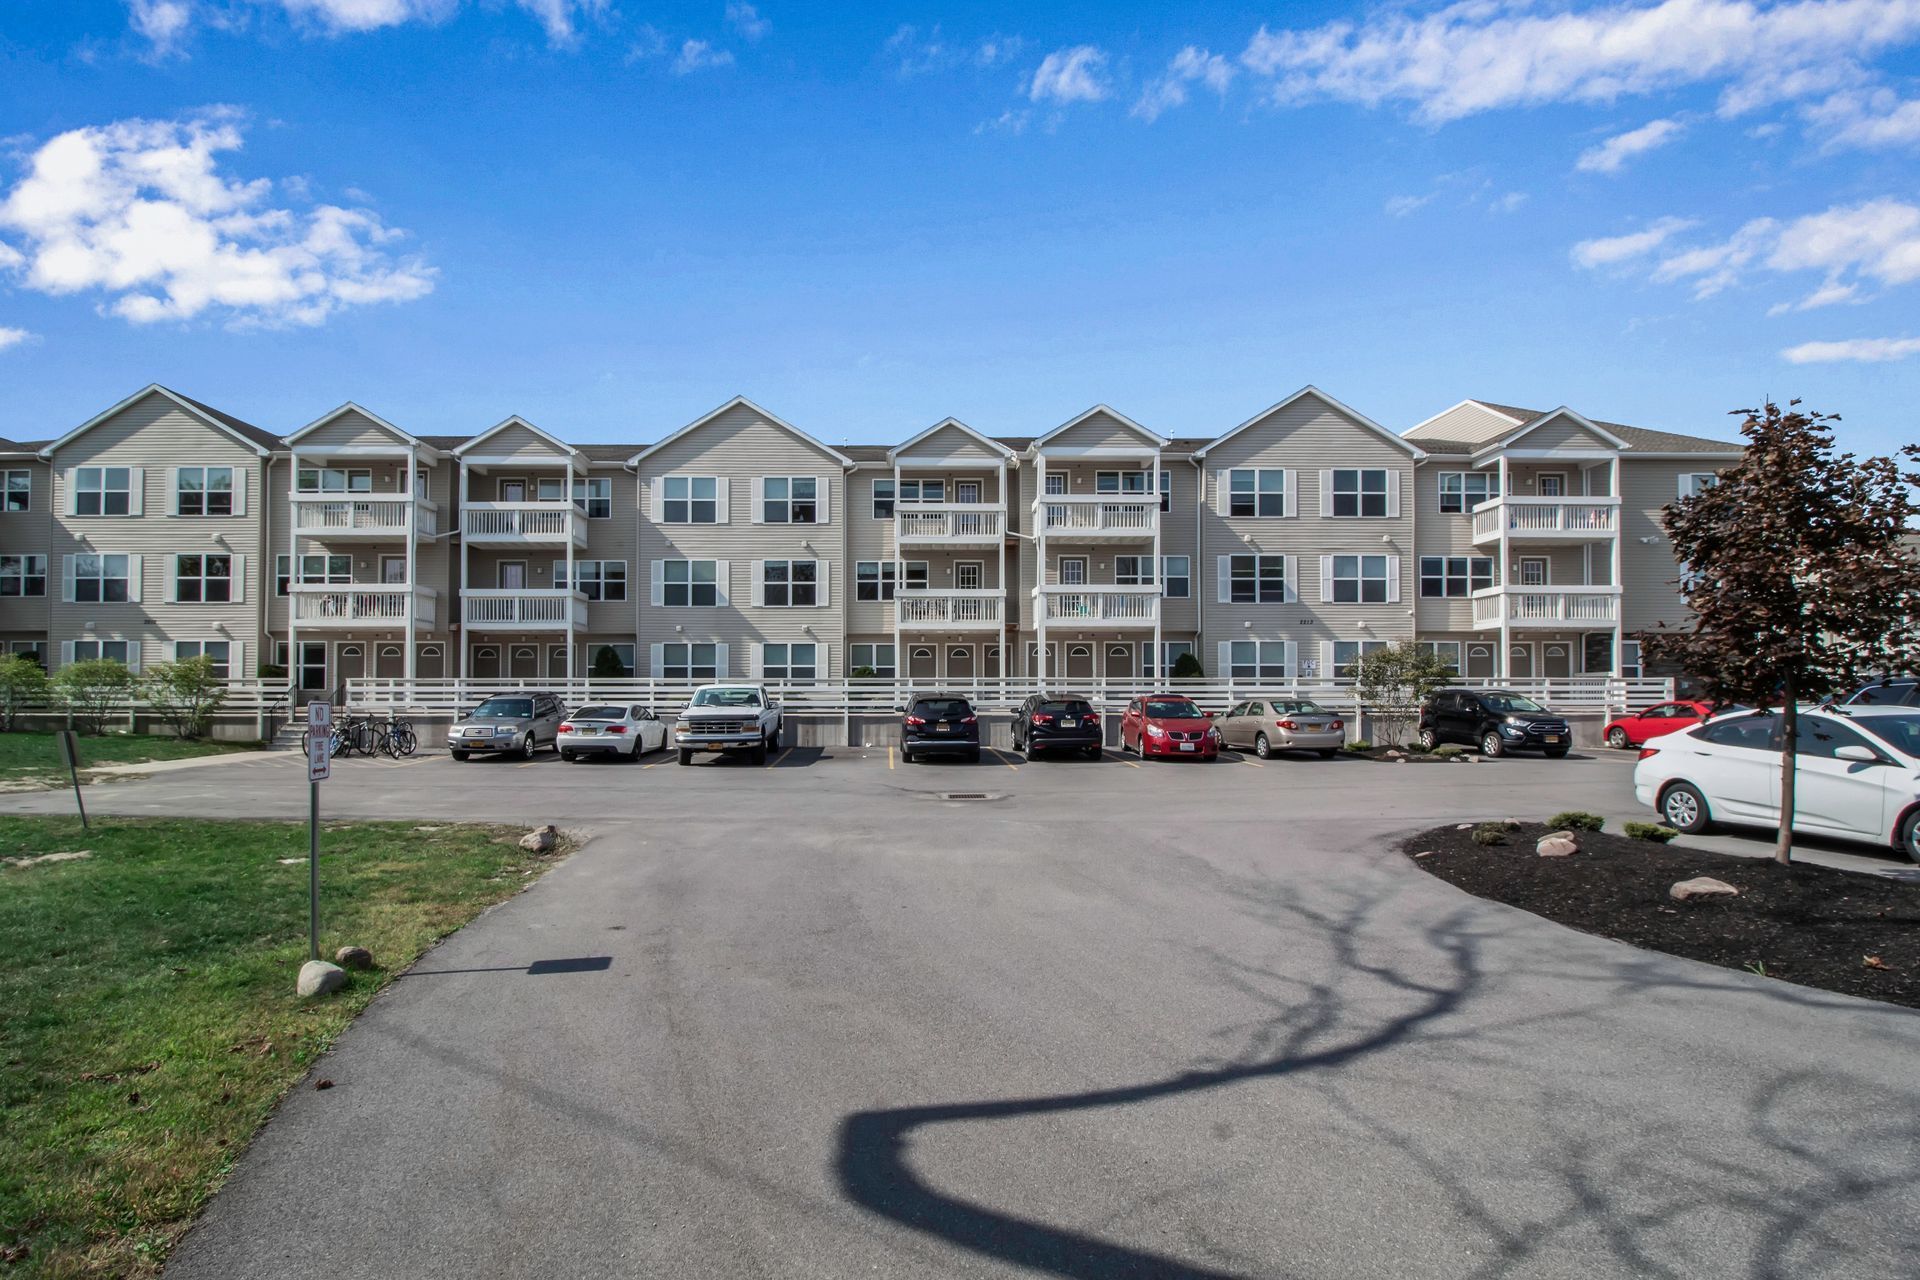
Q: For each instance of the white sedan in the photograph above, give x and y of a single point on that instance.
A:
(615, 729)
(1856, 774)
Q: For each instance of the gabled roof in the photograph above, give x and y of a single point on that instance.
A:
(261, 442)
(1111, 412)
(515, 420)
(1541, 420)
(1324, 398)
(1638, 440)
(990, 443)
(741, 402)
(369, 415)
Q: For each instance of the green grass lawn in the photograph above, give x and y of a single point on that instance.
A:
(147, 1017)
(34, 756)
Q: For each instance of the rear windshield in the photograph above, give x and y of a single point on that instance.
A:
(1884, 695)
(1072, 707)
(1172, 709)
(727, 698)
(1507, 703)
(1902, 731)
(600, 713)
(504, 709)
(1298, 707)
(943, 708)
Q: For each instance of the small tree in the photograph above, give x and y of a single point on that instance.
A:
(607, 664)
(1187, 667)
(91, 689)
(1798, 574)
(1392, 683)
(186, 694)
(23, 684)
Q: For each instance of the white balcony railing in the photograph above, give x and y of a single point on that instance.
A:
(546, 609)
(969, 523)
(1097, 516)
(977, 609)
(333, 515)
(1546, 606)
(1547, 519)
(1128, 606)
(523, 523)
(361, 605)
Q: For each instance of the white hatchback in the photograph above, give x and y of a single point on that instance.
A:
(1856, 774)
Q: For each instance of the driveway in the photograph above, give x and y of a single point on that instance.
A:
(1181, 1020)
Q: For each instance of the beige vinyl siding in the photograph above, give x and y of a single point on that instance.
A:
(29, 532)
(1442, 535)
(1100, 430)
(1649, 573)
(1560, 432)
(616, 538)
(1179, 537)
(434, 560)
(1467, 422)
(951, 442)
(516, 442)
(350, 430)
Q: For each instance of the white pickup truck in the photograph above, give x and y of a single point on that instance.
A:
(728, 717)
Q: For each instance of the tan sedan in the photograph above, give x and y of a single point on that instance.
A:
(1267, 725)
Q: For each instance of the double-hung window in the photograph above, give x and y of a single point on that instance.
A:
(23, 575)
(334, 480)
(594, 496)
(325, 569)
(1176, 577)
(1166, 492)
(1172, 651)
(110, 650)
(789, 661)
(102, 491)
(1446, 651)
(877, 658)
(1454, 576)
(1133, 571)
(1257, 579)
(789, 500)
(883, 499)
(17, 494)
(1695, 483)
(1359, 492)
(595, 579)
(923, 491)
(690, 500)
(874, 579)
(218, 652)
(1348, 652)
(203, 579)
(100, 579)
(689, 583)
(789, 584)
(1258, 660)
(1361, 580)
(1462, 491)
(203, 491)
(1256, 491)
(1127, 482)
(690, 662)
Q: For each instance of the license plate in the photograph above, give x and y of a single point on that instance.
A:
(1069, 724)
(1553, 737)
(943, 728)
(1188, 746)
(589, 731)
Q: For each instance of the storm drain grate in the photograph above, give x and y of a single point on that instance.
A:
(965, 795)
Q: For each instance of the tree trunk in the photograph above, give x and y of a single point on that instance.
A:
(1789, 731)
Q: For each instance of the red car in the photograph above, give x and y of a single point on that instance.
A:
(1636, 727)
(1168, 725)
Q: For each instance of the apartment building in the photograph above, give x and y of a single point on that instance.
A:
(1516, 543)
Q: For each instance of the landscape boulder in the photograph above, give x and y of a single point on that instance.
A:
(540, 839)
(1558, 845)
(353, 958)
(1701, 887)
(318, 978)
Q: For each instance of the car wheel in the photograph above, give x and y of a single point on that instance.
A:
(773, 743)
(528, 746)
(459, 757)
(1492, 747)
(973, 756)
(1030, 752)
(1429, 739)
(1093, 753)
(759, 754)
(1685, 809)
(568, 756)
(1262, 748)
(1617, 738)
(686, 757)
(1910, 836)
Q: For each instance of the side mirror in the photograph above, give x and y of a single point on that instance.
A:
(1858, 754)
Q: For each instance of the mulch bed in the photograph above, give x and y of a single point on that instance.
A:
(1411, 757)
(1806, 924)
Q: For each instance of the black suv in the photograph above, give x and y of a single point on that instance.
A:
(1493, 720)
(938, 724)
(1050, 722)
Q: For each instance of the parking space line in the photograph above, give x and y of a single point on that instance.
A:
(889, 757)
(1121, 758)
(1003, 759)
(782, 756)
(1244, 760)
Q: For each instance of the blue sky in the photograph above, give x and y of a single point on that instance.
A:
(611, 217)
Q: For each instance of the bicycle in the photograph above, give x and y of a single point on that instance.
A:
(396, 739)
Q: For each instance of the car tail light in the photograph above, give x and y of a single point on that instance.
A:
(616, 728)
(1093, 717)
(1285, 724)
(1335, 724)
(1040, 719)
(566, 728)
(915, 720)
(970, 720)
(1649, 751)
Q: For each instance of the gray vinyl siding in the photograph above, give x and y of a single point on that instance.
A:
(1100, 430)
(515, 441)
(351, 429)
(1560, 432)
(434, 559)
(1439, 534)
(1467, 422)
(1648, 572)
(29, 532)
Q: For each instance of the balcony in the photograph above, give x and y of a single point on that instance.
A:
(365, 518)
(547, 609)
(1099, 604)
(361, 605)
(948, 524)
(1546, 521)
(964, 610)
(523, 524)
(1558, 607)
(1088, 517)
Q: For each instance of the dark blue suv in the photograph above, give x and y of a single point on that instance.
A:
(939, 724)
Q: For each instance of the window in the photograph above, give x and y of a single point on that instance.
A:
(331, 570)
(1257, 579)
(1166, 491)
(874, 579)
(1056, 483)
(1755, 733)
(1447, 651)
(923, 491)
(1256, 492)
(596, 579)
(1172, 651)
(1360, 580)
(969, 575)
(689, 583)
(102, 491)
(220, 651)
(1120, 482)
(1550, 484)
(789, 662)
(1133, 571)
(1348, 652)
(878, 657)
(789, 584)
(18, 491)
(594, 496)
(203, 579)
(601, 656)
(689, 661)
(1462, 491)
(1258, 660)
(111, 650)
(789, 500)
(690, 500)
(1176, 577)
(1455, 576)
(1695, 483)
(883, 499)
(1360, 492)
(99, 579)
(1596, 653)
(203, 491)
(23, 575)
(334, 480)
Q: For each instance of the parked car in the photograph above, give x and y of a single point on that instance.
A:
(517, 722)
(1901, 691)
(731, 719)
(1168, 725)
(938, 724)
(1856, 774)
(1267, 725)
(1635, 727)
(1050, 722)
(1494, 720)
(610, 729)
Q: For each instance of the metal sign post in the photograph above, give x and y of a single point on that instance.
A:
(319, 765)
(70, 756)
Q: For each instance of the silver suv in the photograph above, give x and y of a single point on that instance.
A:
(518, 722)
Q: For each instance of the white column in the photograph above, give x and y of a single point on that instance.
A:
(574, 515)
(293, 579)
(459, 622)
(899, 579)
(1504, 599)
(1039, 597)
(412, 487)
(1619, 586)
(1006, 596)
(1159, 578)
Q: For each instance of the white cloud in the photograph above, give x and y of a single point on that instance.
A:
(1011, 120)
(1862, 350)
(1070, 75)
(162, 23)
(1866, 120)
(1612, 155)
(746, 19)
(1482, 55)
(996, 49)
(698, 55)
(1192, 65)
(1401, 206)
(138, 211)
(1508, 203)
(1612, 250)
(1879, 240)
(12, 337)
(166, 22)
(916, 52)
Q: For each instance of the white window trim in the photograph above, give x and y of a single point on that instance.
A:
(722, 500)
(1289, 492)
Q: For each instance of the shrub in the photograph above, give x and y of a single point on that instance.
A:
(863, 672)
(272, 671)
(1392, 682)
(185, 693)
(1448, 752)
(91, 688)
(1187, 667)
(1359, 744)
(607, 664)
(23, 684)
(1417, 749)
(1576, 820)
(1650, 831)
(1490, 833)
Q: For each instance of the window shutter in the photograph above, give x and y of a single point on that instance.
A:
(1223, 568)
(239, 491)
(657, 585)
(133, 655)
(756, 660)
(1393, 493)
(1393, 579)
(759, 596)
(1679, 486)
(73, 494)
(1290, 654)
(1326, 493)
(66, 581)
(135, 577)
(173, 492)
(657, 657)
(137, 482)
(560, 575)
(1226, 661)
(66, 653)
(1222, 492)
(723, 579)
(171, 650)
(1326, 659)
(760, 502)
(237, 660)
(239, 567)
(722, 492)
(824, 571)
(823, 495)
(1290, 504)
(657, 500)
(1291, 593)
(721, 666)
(1326, 579)
(173, 579)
